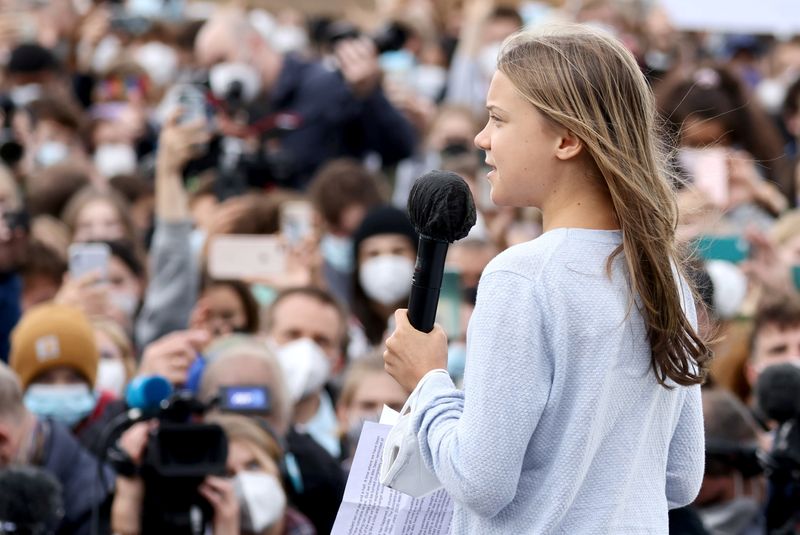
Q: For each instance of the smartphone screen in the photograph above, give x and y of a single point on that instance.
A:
(297, 221)
(86, 258)
(708, 170)
(246, 257)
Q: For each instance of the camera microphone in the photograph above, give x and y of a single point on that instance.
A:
(30, 501)
(147, 393)
(441, 208)
(778, 391)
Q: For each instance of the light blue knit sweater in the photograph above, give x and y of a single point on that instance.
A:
(561, 426)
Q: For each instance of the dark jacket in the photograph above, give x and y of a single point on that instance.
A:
(78, 472)
(333, 122)
(323, 481)
(10, 309)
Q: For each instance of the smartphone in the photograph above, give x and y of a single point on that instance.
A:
(86, 258)
(246, 257)
(708, 170)
(192, 100)
(448, 314)
(297, 221)
(733, 249)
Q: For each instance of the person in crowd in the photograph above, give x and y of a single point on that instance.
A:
(117, 365)
(115, 295)
(342, 192)
(309, 329)
(775, 338)
(713, 122)
(255, 458)
(314, 480)
(557, 349)
(226, 307)
(341, 113)
(385, 250)
(450, 134)
(27, 439)
(53, 351)
(42, 274)
(53, 133)
(33, 71)
(733, 494)
(248, 500)
(14, 239)
(483, 30)
(365, 390)
(95, 215)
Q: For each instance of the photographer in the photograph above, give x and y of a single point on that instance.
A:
(341, 113)
(251, 500)
(732, 496)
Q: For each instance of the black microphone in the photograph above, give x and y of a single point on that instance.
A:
(778, 391)
(441, 208)
(30, 501)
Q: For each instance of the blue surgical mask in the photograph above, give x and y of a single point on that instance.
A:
(68, 404)
(796, 277)
(456, 360)
(338, 252)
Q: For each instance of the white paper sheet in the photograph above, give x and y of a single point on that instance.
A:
(369, 508)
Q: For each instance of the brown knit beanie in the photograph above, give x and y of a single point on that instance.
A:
(51, 335)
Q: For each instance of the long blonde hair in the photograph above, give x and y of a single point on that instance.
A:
(587, 82)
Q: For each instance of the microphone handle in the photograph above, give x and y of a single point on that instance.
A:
(424, 298)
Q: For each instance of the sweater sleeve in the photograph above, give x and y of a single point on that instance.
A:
(174, 282)
(686, 458)
(475, 440)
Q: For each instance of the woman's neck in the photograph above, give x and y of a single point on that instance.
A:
(586, 205)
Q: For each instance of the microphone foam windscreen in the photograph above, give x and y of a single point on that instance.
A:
(30, 497)
(441, 207)
(778, 391)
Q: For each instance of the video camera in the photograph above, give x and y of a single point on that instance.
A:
(389, 37)
(181, 451)
(239, 167)
(779, 399)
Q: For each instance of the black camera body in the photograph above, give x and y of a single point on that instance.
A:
(239, 168)
(389, 37)
(779, 399)
(181, 452)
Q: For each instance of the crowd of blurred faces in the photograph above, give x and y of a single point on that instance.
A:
(152, 135)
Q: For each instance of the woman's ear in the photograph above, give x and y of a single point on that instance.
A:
(569, 145)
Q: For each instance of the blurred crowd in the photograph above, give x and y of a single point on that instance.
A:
(203, 241)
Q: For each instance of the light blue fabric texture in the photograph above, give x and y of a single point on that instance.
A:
(561, 426)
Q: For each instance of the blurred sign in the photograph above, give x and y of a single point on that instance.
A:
(735, 16)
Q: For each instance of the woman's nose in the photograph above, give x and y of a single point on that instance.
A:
(482, 140)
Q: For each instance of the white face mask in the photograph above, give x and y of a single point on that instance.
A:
(225, 77)
(22, 95)
(159, 60)
(429, 80)
(305, 367)
(338, 252)
(111, 377)
(386, 278)
(112, 159)
(289, 39)
(51, 153)
(487, 59)
(261, 499)
(126, 303)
